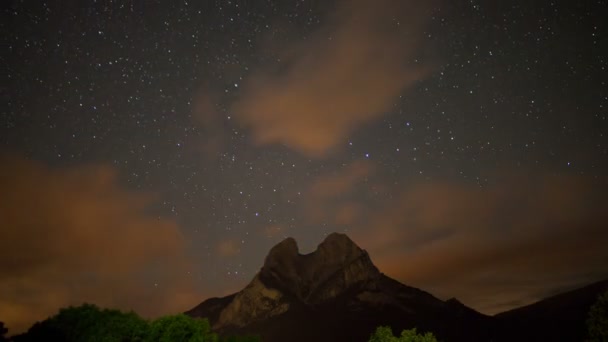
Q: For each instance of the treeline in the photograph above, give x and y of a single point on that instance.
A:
(88, 323)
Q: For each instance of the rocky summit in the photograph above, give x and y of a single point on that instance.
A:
(337, 265)
(290, 279)
(337, 294)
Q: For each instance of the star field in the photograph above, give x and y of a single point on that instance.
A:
(224, 112)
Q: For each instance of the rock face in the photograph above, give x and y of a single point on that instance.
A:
(336, 265)
(255, 302)
(337, 294)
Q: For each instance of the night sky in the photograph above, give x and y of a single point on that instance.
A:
(152, 152)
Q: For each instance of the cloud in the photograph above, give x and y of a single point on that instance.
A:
(348, 73)
(348, 213)
(228, 248)
(325, 198)
(496, 247)
(71, 235)
(339, 183)
(273, 231)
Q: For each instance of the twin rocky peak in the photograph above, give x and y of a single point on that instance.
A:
(289, 279)
(336, 265)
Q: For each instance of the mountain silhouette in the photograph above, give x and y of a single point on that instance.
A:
(337, 294)
(557, 318)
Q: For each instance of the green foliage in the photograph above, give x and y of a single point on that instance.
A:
(3, 332)
(181, 328)
(412, 336)
(597, 321)
(88, 323)
(385, 334)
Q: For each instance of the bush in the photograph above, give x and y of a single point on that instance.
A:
(597, 321)
(385, 334)
(181, 328)
(3, 332)
(88, 323)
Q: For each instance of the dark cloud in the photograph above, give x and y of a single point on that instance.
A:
(72, 235)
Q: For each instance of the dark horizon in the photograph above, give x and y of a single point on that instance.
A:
(153, 152)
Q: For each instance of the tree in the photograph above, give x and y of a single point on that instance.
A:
(181, 328)
(412, 336)
(88, 323)
(3, 332)
(597, 321)
(385, 334)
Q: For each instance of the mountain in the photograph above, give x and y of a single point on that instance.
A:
(557, 318)
(337, 294)
(334, 294)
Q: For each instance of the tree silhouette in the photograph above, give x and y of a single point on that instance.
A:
(385, 334)
(88, 323)
(181, 328)
(3, 332)
(597, 321)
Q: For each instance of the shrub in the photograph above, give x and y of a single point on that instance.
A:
(597, 321)
(385, 334)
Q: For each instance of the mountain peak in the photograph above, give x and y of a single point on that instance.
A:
(337, 237)
(338, 249)
(289, 244)
(339, 241)
(303, 275)
(286, 249)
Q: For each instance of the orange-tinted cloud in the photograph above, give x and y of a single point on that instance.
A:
(495, 247)
(272, 231)
(322, 199)
(348, 73)
(228, 248)
(347, 214)
(342, 182)
(71, 235)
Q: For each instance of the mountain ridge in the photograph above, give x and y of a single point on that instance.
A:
(336, 293)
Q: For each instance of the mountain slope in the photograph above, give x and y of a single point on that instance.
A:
(557, 318)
